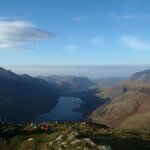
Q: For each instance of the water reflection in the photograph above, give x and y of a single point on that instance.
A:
(63, 111)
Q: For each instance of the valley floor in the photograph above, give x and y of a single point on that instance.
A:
(73, 136)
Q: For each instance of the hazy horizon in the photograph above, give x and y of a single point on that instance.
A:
(90, 71)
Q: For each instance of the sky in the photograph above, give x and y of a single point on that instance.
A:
(74, 32)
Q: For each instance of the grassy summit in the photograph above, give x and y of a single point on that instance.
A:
(75, 135)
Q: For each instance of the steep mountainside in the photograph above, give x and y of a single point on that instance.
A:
(143, 76)
(129, 105)
(69, 83)
(23, 98)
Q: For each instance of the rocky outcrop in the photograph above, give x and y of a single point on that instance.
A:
(76, 135)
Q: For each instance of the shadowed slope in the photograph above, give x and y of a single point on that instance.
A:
(23, 98)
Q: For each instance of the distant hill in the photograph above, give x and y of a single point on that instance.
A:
(23, 98)
(110, 81)
(69, 83)
(143, 76)
(129, 105)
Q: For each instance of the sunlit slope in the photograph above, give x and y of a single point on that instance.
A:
(129, 105)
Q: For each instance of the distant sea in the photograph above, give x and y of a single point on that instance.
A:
(92, 72)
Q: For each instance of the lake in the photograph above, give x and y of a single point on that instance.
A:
(64, 111)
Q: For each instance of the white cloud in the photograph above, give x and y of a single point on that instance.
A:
(71, 48)
(97, 40)
(79, 18)
(8, 60)
(134, 43)
(4, 18)
(129, 16)
(18, 34)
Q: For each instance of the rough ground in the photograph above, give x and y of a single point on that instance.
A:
(75, 136)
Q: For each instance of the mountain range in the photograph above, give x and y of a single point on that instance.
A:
(121, 104)
(68, 83)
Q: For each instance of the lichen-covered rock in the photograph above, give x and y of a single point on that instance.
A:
(104, 147)
(76, 141)
(89, 141)
(50, 143)
(59, 138)
(30, 139)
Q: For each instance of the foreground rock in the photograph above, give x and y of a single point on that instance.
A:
(75, 136)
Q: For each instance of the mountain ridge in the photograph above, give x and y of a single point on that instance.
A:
(67, 83)
(129, 105)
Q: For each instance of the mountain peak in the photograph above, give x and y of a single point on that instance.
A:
(7, 73)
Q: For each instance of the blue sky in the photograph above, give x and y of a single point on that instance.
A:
(74, 32)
